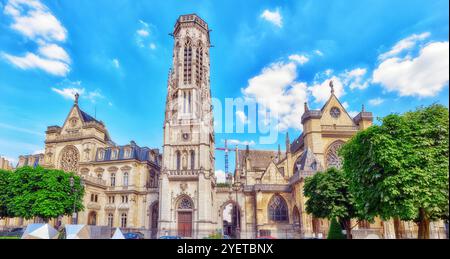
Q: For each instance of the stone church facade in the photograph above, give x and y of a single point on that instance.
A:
(176, 192)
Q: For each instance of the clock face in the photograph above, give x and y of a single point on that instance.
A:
(335, 112)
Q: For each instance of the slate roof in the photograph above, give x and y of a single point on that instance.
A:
(88, 118)
(258, 158)
(139, 153)
(297, 144)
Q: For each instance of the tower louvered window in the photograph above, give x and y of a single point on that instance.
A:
(188, 63)
(199, 65)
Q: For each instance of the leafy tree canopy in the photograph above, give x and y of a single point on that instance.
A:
(44, 193)
(328, 195)
(400, 168)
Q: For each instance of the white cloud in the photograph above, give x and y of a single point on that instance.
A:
(69, 93)
(273, 17)
(221, 176)
(422, 76)
(242, 117)
(322, 91)
(35, 21)
(235, 142)
(301, 59)
(376, 101)
(405, 44)
(143, 33)
(276, 90)
(32, 61)
(22, 130)
(353, 114)
(54, 52)
(37, 152)
(318, 52)
(116, 63)
(355, 79)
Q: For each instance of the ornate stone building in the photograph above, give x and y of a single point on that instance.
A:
(177, 194)
(5, 164)
(187, 178)
(121, 182)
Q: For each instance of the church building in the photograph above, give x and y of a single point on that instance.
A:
(175, 193)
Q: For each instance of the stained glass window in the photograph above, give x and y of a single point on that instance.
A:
(278, 209)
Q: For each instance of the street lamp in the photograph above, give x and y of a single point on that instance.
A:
(74, 215)
(238, 229)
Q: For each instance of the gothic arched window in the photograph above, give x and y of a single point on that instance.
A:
(185, 204)
(188, 62)
(332, 157)
(278, 209)
(199, 64)
(192, 160)
(178, 160)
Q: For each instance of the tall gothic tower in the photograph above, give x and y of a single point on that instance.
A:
(187, 180)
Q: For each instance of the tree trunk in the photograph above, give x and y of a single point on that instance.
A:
(347, 225)
(424, 225)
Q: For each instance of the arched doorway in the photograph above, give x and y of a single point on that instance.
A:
(154, 214)
(185, 208)
(92, 218)
(231, 220)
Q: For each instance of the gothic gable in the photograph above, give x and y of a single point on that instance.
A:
(334, 113)
(74, 121)
(272, 175)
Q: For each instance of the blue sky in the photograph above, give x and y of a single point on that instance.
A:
(391, 56)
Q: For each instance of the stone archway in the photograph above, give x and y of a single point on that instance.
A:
(185, 216)
(231, 219)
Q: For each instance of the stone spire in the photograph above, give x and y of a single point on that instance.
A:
(288, 143)
(306, 107)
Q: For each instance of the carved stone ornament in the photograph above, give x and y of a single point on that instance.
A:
(69, 159)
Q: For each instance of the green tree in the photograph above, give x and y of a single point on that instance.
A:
(335, 231)
(4, 195)
(44, 193)
(400, 168)
(329, 197)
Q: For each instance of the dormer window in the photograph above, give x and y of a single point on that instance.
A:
(114, 154)
(127, 153)
(101, 154)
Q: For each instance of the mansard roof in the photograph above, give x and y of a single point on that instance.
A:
(141, 154)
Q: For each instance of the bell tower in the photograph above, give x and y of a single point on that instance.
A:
(187, 179)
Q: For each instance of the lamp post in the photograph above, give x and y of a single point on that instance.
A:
(74, 215)
(238, 229)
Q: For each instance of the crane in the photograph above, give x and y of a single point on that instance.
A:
(226, 150)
